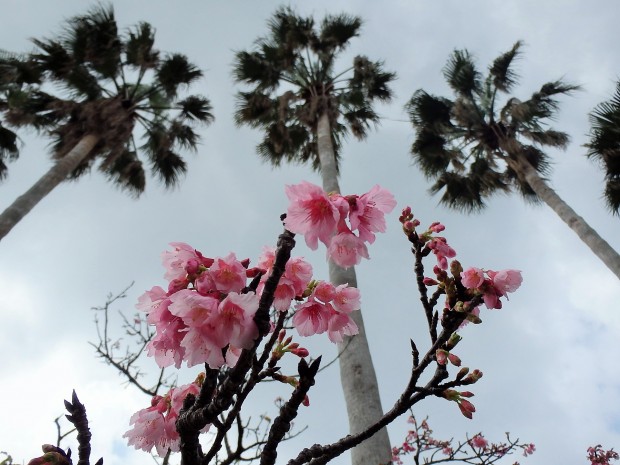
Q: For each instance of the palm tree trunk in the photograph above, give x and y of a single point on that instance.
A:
(357, 372)
(57, 174)
(597, 244)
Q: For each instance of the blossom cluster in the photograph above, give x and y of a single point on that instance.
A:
(333, 219)
(494, 285)
(419, 440)
(207, 313)
(204, 317)
(155, 426)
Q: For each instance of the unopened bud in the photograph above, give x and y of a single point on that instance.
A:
(462, 373)
(467, 408)
(192, 266)
(454, 360)
(429, 282)
(177, 285)
(245, 263)
(300, 352)
(441, 356)
(455, 338)
(473, 376)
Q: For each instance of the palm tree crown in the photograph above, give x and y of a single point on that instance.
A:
(107, 82)
(291, 72)
(604, 145)
(471, 146)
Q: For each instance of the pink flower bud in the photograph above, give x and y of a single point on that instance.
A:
(429, 282)
(176, 285)
(454, 360)
(436, 227)
(245, 263)
(192, 266)
(442, 356)
(300, 352)
(473, 376)
(467, 408)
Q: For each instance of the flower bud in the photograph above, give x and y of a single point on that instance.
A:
(455, 338)
(473, 376)
(441, 356)
(454, 360)
(467, 408)
(462, 373)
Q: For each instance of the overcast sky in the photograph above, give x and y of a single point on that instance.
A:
(549, 357)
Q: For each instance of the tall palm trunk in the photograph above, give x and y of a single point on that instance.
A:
(589, 236)
(57, 174)
(357, 373)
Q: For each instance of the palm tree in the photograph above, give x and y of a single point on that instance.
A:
(305, 109)
(9, 149)
(604, 146)
(473, 149)
(107, 82)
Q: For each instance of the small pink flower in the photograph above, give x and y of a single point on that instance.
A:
(472, 278)
(346, 299)
(530, 448)
(324, 292)
(479, 441)
(442, 251)
(367, 214)
(299, 273)
(311, 317)
(346, 250)
(177, 261)
(506, 281)
(311, 213)
(340, 325)
(234, 320)
(228, 274)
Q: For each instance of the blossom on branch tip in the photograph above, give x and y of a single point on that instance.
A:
(310, 213)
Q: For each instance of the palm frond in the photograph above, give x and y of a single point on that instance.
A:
(428, 111)
(371, 79)
(174, 71)
(335, 33)
(139, 50)
(93, 39)
(461, 74)
(504, 78)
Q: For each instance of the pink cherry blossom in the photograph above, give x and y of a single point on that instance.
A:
(346, 249)
(346, 299)
(284, 295)
(267, 258)
(324, 292)
(311, 213)
(195, 309)
(148, 427)
(299, 272)
(479, 441)
(368, 215)
(311, 317)
(228, 274)
(442, 251)
(234, 320)
(156, 426)
(176, 261)
(506, 281)
(340, 325)
(150, 300)
(200, 347)
(472, 278)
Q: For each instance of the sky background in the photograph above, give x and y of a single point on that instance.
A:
(549, 357)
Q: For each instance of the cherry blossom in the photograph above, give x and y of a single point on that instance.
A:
(310, 213)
